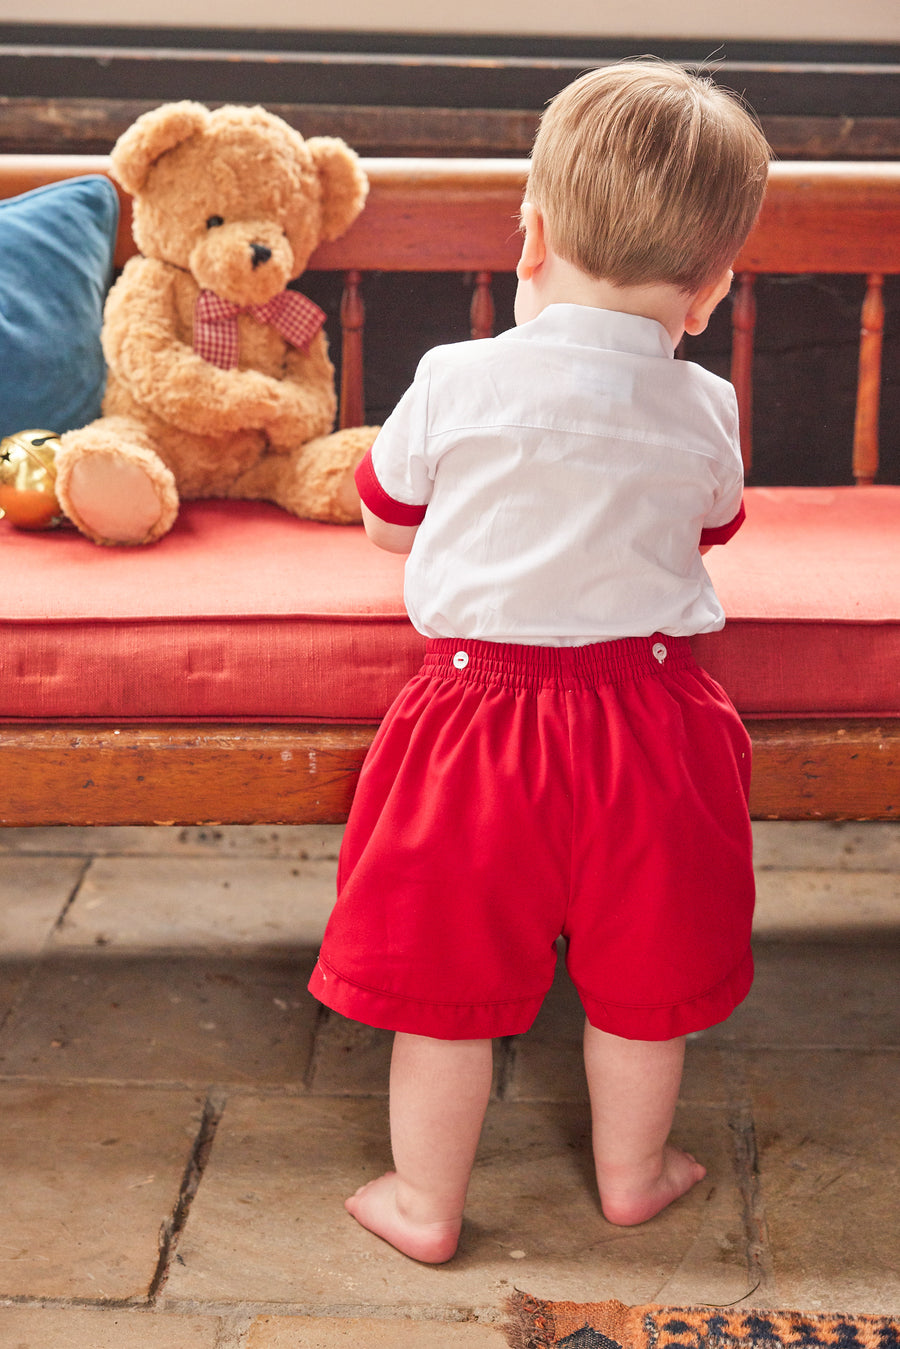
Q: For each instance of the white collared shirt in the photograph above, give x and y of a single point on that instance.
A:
(563, 473)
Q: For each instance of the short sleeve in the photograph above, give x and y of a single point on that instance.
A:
(712, 534)
(727, 515)
(393, 480)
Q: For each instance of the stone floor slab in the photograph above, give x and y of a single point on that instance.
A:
(81, 1328)
(299, 841)
(828, 1137)
(268, 1226)
(169, 1019)
(822, 994)
(354, 1332)
(820, 844)
(200, 903)
(826, 905)
(547, 1062)
(184, 963)
(34, 892)
(827, 845)
(90, 1175)
(823, 844)
(350, 1059)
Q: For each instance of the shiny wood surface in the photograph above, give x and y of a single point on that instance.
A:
(802, 770)
(163, 774)
(461, 215)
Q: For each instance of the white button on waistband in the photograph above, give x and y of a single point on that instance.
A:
(461, 660)
(659, 651)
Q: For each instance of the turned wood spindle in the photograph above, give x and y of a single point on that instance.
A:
(743, 323)
(868, 389)
(353, 318)
(481, 311)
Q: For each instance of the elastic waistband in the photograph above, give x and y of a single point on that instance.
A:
(519, 666)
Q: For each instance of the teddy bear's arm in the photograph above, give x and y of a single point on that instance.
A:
(143, 349)
(306, 398)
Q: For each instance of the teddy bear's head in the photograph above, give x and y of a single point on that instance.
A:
(235, 196)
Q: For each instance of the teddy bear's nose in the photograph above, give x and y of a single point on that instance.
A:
(260, 253)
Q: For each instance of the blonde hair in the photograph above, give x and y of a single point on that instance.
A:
(645, 173)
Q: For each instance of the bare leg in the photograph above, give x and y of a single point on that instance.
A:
(633, 1086)
(439, 1093)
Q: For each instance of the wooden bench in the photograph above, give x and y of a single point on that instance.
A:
(460, 215)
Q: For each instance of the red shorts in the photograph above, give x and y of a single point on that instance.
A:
(518, 794)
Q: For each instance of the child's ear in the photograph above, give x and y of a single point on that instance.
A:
(705, 301)
(534, 248)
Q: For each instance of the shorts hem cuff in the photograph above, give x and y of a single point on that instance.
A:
(439, 1021)
(681, 1018)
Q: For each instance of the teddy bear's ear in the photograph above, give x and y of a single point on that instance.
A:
(344, 185)
(147, 139)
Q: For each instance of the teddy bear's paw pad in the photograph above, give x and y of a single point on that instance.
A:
(115, 500)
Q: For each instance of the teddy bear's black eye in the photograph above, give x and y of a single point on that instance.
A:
(214, 221)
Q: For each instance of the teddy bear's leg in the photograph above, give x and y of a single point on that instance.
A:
(314, 481)
(113, 485)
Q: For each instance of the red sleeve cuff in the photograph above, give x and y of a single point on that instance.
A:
(722, 533)
(379, 503)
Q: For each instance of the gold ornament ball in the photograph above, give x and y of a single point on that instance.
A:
(28, 479)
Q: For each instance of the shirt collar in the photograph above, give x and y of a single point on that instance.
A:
(582, 325)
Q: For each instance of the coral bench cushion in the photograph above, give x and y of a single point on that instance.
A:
(241, 613)
(246, 614)
(811, 588)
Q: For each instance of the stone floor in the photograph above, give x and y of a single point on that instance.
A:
(179, 1121)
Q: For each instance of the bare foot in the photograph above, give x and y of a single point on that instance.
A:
(627, 1203)
(376, 1207)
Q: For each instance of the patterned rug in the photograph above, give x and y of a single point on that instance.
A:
(535, 1324)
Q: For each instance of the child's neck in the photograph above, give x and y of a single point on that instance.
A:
(561, 282)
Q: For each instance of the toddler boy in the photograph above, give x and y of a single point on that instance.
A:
(560, 767)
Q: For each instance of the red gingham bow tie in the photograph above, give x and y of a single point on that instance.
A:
(216, 329)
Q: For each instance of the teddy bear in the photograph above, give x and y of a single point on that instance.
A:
(219, 382)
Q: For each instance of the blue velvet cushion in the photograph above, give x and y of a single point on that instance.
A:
(56, 262)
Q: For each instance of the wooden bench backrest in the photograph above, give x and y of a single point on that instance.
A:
(462, 215)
